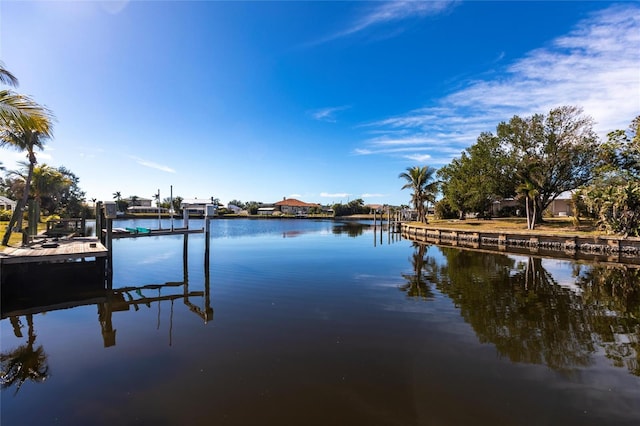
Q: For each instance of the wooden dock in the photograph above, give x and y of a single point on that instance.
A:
(120, 233)
(64, 249)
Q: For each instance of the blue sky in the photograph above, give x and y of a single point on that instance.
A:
(321, 101)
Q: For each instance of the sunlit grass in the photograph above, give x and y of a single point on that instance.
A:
(16, 237)
(555, 225)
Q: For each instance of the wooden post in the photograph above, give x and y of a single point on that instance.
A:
(171, 206)
(99, 222)
(207, 236)
(185, 218)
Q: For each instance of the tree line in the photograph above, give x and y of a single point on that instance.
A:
(536, 159)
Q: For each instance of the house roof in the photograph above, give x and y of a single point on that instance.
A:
(196, 201)
(292, 202)
(137, 198)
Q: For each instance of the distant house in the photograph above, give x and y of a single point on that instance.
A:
(146, 209)
(138, 201)
(195, 206)
(375, 208)
(233, 208)
(502, 204)
(7, 204)
(562, 205)
(140, 205)
(266, 211)
(291, 206)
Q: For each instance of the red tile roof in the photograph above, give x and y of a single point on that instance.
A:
(292, 202)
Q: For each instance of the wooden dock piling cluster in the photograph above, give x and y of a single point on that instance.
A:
(99, 249)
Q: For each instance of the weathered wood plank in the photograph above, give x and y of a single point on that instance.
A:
(67, 249)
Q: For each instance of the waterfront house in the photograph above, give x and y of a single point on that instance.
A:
(562, 205)
(195, 206)
(7, 204)
(135, 201)
(291, 206)
(233, 208)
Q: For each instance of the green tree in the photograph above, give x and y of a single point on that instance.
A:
(553, 153)
(480, 176)
(26, 133)
(14, 105)
(421, 181)
(237, 203)
(24, 125)
(71, 199)
(614, 196)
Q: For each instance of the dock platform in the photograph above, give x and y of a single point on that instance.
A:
(63, 249)
(143, 232)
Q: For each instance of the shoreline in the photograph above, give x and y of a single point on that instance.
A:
(614, 248)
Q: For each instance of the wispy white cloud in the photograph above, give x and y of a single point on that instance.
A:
(334, 195)
(327, 114)
(418, 158)
(595, 66)
(388, 12)
(152, 165)
(368, 195)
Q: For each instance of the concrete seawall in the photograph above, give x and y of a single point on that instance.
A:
(568, 245)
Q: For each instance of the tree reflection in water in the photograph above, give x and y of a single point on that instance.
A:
(23, 363)
(522, 309)
(615, 290)
(419, 283)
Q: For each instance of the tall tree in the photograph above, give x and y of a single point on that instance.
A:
(26, 133)
(476, 179)
(13, 105)
(24, 125)
(421, 181)
(553, 153)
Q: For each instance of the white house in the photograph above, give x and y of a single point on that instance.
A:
(195, 206)
(138, 201)
(235, 209)
(7, 204)
(562, 205)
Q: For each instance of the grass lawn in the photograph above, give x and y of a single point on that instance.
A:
(555, 225)
(16, 237)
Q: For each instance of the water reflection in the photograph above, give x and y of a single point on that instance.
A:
(424, 267)
(519, 306)
(52, 289)
(25, 362)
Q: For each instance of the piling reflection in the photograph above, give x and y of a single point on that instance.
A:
(519, 306)
(48, 293)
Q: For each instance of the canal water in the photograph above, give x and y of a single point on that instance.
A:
(302, 322)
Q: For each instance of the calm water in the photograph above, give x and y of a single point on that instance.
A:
(301, 322)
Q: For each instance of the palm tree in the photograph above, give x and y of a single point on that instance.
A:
(529, 192)
(23, 125)
(14, 105)
(118, 197)
(26, 133)
(6, 77)
(420, 180)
